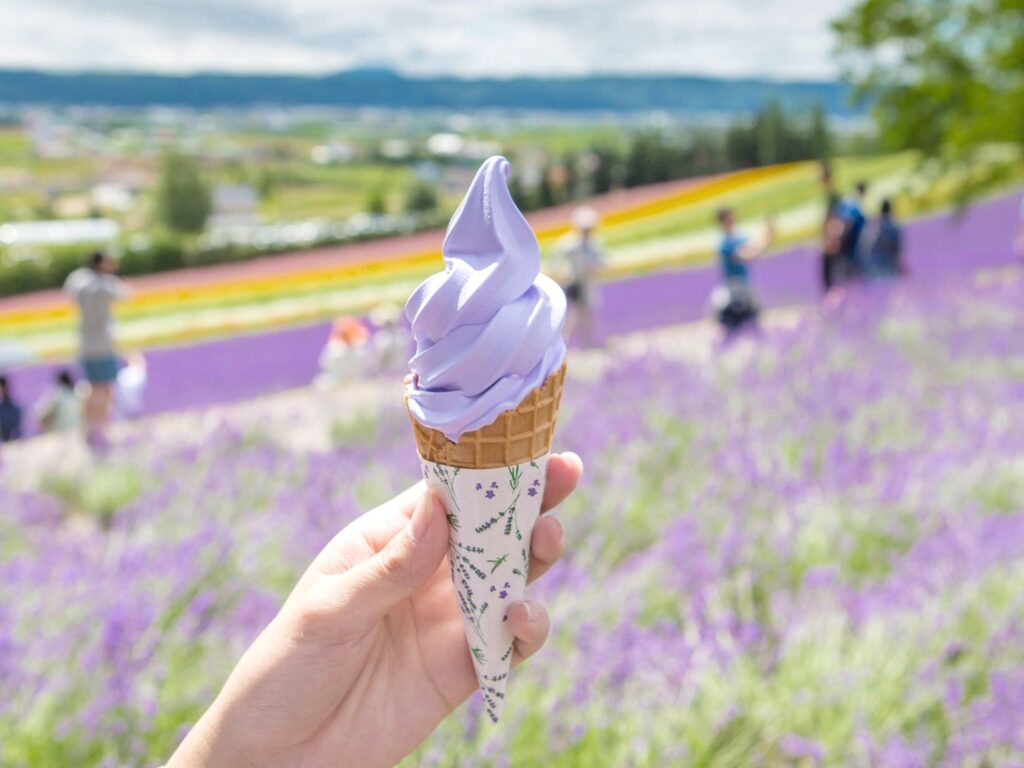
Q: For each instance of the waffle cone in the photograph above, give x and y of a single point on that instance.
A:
(516, 436)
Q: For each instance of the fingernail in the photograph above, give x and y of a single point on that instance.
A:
(574, 457)
(532, 613)
(422, 516)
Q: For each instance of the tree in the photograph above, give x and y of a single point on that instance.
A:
(644, 163)
(545, 189)
(573, 180)
(607, 169)
(183, 200)
(770, 132)
(522, 198)
(421, 197)
(740, 145)
(376, 202)
(946, 76)
(819, 139)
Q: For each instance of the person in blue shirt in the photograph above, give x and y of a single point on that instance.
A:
(734, 300)
(853, 213)
(10, 413)
(887, 246)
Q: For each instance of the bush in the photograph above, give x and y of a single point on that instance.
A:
(48, 271)
(161, 256)
(421, 197)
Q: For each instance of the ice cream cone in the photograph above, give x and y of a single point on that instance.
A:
(492, 482)
(486, 383)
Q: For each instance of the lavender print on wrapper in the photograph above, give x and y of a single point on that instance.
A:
(491, 513)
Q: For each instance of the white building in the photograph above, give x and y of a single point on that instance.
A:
(30, 240)
(234, 205)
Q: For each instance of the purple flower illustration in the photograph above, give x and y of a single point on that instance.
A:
(503, 594)
(531, 491)
(494, 484)
(489, 494)
(479, 486)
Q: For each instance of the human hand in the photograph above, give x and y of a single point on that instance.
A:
(368, 654)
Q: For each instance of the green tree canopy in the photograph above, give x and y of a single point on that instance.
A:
(377, 202)
(421, 197)
(945, 75)
(183, 201)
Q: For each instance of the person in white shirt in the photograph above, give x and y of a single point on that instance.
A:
(130, 389)
(583, 257)
(60, 409)
(95, 288)
(346, 355)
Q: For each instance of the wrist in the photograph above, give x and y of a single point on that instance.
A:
(207, 745)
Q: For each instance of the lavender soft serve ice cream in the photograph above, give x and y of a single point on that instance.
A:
(488, 329)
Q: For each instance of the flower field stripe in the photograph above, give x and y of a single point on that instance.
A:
(414, 264)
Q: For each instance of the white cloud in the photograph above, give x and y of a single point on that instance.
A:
(776, 38)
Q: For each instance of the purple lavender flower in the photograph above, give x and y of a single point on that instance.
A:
(847, 488)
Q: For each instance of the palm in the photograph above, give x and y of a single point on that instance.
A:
(416, 659)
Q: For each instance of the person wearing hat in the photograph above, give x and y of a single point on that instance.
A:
(94, 288)
(583, 257)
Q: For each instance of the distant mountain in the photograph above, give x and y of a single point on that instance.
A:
(379, 87)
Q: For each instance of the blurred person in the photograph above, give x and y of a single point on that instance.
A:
(832, 243)
(1020, 231)
(94, 288)
(130, 386)
(734, 301)
(854, 219)
(368, 654)
(390, 341)
(345, 355)
(10, 413)
(886, 255)
(583, 257)
(60, 408)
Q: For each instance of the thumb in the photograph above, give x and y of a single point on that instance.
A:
(405, 564)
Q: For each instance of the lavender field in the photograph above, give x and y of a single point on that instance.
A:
(807, 551)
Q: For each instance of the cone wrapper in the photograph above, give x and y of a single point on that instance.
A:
(491, 513)
(492, 482)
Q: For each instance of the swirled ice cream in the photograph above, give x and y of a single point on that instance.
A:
(488, 329)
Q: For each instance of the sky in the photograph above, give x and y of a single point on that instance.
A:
(769, 38)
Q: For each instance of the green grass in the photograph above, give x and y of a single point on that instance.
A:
(13, 147)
